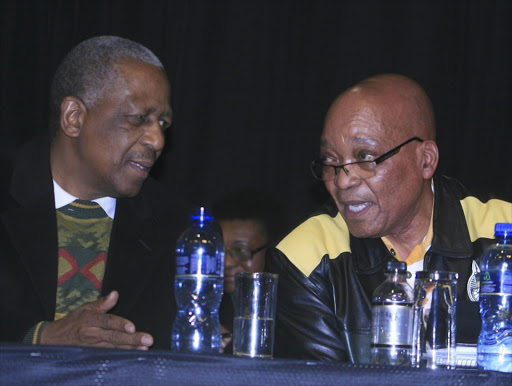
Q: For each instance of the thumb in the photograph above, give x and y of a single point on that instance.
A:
(106, 303)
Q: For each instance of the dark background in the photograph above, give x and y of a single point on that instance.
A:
(252, 81)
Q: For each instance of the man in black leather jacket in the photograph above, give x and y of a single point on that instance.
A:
(377, 159)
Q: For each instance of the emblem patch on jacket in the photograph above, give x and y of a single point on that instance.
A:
(474, 283)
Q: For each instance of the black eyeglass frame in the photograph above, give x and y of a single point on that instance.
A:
(251, 251)
(377, 160)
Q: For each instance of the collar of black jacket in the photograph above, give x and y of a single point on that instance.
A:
(451, 236)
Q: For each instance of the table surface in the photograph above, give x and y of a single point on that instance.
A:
(64, 365)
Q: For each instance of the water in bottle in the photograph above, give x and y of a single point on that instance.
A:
(392, 317)
(494, 350)
(198, 287)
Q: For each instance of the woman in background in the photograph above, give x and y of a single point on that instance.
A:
(250, 222)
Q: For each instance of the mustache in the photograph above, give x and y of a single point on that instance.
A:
(147, 155)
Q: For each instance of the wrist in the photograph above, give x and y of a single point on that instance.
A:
(33, 335)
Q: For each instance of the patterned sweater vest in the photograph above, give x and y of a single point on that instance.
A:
(84, 236)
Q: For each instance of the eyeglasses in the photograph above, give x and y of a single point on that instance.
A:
(366, 169)
(244, 254)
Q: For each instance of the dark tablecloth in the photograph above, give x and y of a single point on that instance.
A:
(59, 365)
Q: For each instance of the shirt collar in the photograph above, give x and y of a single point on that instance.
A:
(63, 198)
(418, 252)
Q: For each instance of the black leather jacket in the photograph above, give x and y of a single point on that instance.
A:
(327, 276)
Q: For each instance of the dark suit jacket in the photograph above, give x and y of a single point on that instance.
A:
(140, 261)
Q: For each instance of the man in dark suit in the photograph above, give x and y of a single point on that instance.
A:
(86, 238)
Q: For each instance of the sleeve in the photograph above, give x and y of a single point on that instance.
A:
(306, 325)
(33, 335)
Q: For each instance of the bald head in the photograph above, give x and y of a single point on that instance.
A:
(399, 102)
(386, 116)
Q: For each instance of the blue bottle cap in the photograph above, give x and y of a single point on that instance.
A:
(395, 265)
(201, 214)
(503, 229)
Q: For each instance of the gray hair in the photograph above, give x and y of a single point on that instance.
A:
(90, 67)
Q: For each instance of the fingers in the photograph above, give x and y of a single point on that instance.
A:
(112, 322)
(103, 304)
(148, 342)
(122, 347)
(116, 338)
(106, 303)
(90, 325)
(118, 331)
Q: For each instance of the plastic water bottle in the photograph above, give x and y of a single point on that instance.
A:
(198, 287)
(494, 350)
(392, 318)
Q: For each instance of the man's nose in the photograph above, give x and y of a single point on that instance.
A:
(154, 137)
(347, 177)
(230, 261)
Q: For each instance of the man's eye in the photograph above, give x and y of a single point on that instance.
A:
(365, 156)
(137, 119)
(328, 161)
(164, 124)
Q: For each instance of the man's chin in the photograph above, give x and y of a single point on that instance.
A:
(362, 230)
(128, 191)
(229, 288)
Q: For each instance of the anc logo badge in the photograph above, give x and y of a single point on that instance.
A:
(474, 283)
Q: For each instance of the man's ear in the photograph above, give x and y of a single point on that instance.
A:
(430, 158)
(72, 116)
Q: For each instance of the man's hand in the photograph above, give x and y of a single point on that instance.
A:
(90, 325)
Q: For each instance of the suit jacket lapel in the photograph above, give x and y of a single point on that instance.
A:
(31, 222)
(133, 253)
(40, 254)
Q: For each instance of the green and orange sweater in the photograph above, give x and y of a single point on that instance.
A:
(83, 236)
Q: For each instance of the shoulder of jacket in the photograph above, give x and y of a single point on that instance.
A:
(481, 211)
(316, 237)
(481, 216)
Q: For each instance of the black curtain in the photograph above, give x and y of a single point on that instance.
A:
(252, 80)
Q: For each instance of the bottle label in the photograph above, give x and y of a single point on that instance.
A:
(496, 282)
(199, 264)
(473, 286)
(392, 324)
